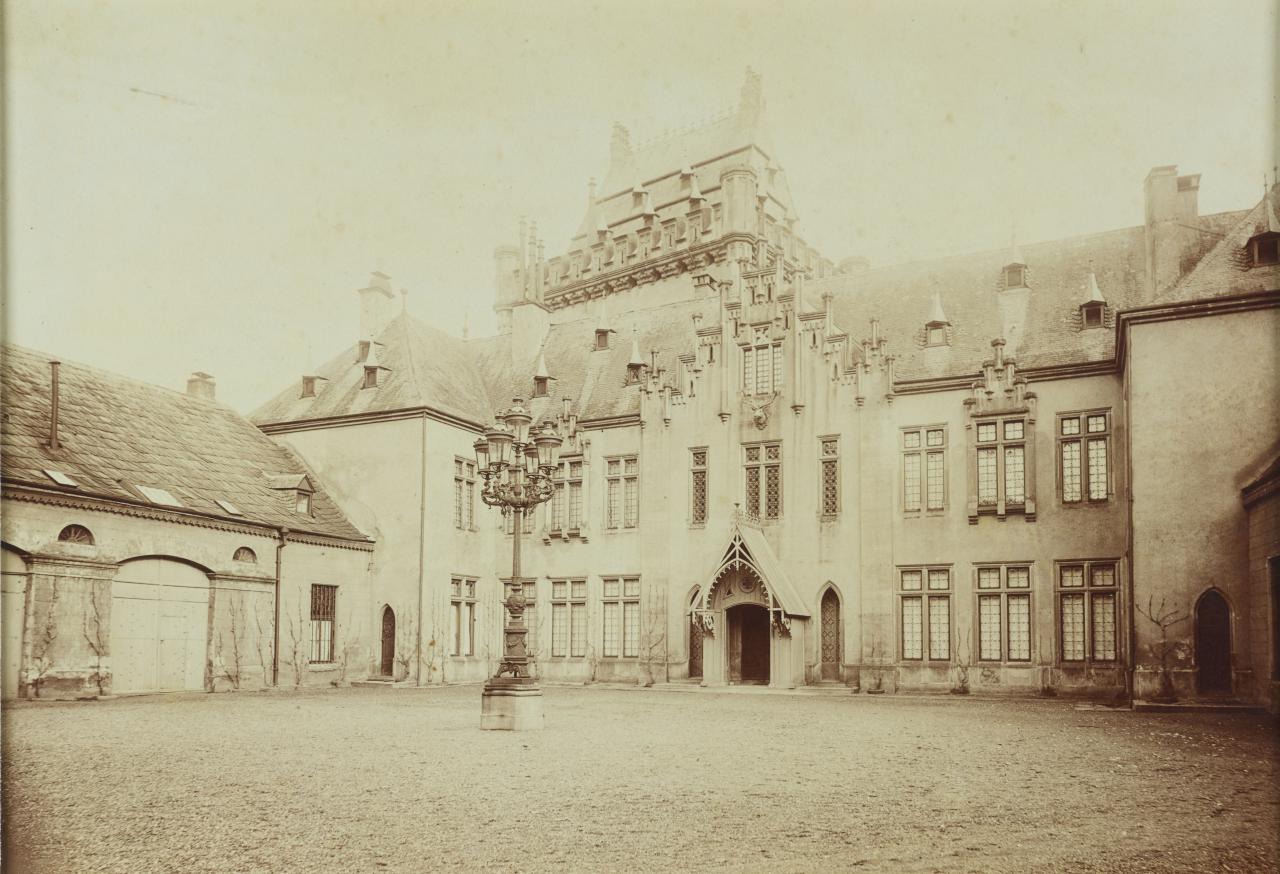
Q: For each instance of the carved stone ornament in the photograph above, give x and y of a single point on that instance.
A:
(759, 407)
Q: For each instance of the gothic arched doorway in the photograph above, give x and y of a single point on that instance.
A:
(748, 643)
(831, 643)
(1213, 644)
(388, 666)
(695, 639)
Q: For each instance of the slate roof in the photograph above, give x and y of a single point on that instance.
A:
(117, 432)
(1049, 331)
(1226, 269)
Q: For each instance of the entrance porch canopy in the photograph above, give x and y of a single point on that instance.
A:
(748, 549)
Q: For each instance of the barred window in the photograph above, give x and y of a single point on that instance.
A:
(1001, 463)
(924, 468)
(568, 618)
(1084, 442)
(462, 595)
(925, 610)
(622, 504)
(698, 486)
(1004, 613)
(762, 466)
(621, 604)
(762, 364)
(1087, 611)
(324, 610)
(566, 502)
(464, 493)
(830, 473)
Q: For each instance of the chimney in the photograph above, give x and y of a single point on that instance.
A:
(1172, 227)
(53, 406)
(620, 147)
(375, 305)
(201, 385)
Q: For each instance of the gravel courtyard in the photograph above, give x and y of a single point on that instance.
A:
(368, 779)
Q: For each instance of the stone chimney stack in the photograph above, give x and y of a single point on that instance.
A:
(375, 305)
(201, 385)
(1172, 227)
(620, 154)
(506, 266)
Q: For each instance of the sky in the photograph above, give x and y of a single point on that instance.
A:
(204, 186)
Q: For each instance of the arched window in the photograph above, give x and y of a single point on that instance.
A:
(244, 553)
(76, 534)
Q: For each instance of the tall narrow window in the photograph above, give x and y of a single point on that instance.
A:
(462, 593)
(324, 610)
(924, 469)
(621, 604)
(698, 486)
(829, 471)
(1084, 441)
(762, 467)
(566, 502)
(925, 613)
(622, 495)
(762, 363)
(568, 618)
(1004, 613)
(464, 493)
(1002, 463)
(1087, 611)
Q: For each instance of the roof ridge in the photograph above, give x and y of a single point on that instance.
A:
(9, 347)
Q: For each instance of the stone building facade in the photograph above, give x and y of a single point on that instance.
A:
(156, 541)
(986, 471)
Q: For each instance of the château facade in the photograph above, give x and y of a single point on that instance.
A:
(1046, 469)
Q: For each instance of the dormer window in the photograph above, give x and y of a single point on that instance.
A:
(1264, 250)
(362, 354)
(1015, 276)
(936, 335)
(540, 386)
(300, 488)
(602, 339)
(309, 384)
(370, 377)
(1093, 314)
(633, 372)
(302, 503)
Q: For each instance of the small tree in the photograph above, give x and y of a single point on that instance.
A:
(41, 664)
(231, 657)
(265, 641)
(962, 665)
(654, 635)
(98, 637)
(298, 647)
(877, 673)
(1163, 650)
(406, 634)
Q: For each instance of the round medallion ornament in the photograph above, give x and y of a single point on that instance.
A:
(747, 583)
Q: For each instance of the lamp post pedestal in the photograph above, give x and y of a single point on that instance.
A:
(511, 704)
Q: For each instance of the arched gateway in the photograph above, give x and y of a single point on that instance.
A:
(753, 623)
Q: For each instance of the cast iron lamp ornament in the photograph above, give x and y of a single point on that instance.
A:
(517, 467)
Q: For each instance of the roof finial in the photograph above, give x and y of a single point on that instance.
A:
(1095, 293)
(636, 360)
(936, 315)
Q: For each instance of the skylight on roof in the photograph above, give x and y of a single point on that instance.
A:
(159, 496)
(61, 478)
(228, 507)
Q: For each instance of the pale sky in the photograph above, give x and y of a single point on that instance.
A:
(203, 185)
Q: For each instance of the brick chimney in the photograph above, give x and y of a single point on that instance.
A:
(201, 385)
(1173, 243)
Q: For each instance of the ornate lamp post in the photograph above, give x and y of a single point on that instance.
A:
(517, 466)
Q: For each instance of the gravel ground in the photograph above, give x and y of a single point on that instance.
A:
(369, 779)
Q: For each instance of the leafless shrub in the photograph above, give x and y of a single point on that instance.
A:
(41, 664)
(406, 634)
(265, 641)
(1163, 650)
(98, 637)
(231, 658)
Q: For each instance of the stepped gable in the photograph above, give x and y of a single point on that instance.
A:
(418, 366)
(117, 433)
(1227, 269)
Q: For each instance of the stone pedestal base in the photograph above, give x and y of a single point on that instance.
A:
(511, 704)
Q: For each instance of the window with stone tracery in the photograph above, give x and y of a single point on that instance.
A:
(698, 486)
(762, 363)
(1001, 462)
(621, 603)
(565, 506)
(762, 469)
(622, 495)
(568, 618)
(1004, 613)
(924, 468)
(1084, 441)
(925, 613)
(829, 470)
(1087, 611)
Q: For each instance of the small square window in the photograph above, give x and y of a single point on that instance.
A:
(1093, 316)
(934, 437)
(1097, 424)
(939, 579)
(1013, 430)
(911, 439)
(1072, 576)
(1071, 426)
(611, 588)
(988, 578)
(937, 336)
(1103, 574)
(1019, 577)
(558, 590)
(911, 580)
(986, 432)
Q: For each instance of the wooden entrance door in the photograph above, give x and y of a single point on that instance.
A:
(1213, 645)
(748, 644)
(695, 648)
(831, 635)
(388, 642)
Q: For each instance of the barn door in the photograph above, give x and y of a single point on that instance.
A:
(830, 635)
(388, 642)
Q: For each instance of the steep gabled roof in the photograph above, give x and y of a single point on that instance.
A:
(118, 434)
(1226, 270)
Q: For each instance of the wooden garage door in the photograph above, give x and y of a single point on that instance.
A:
(13, 596)
(159, 626)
